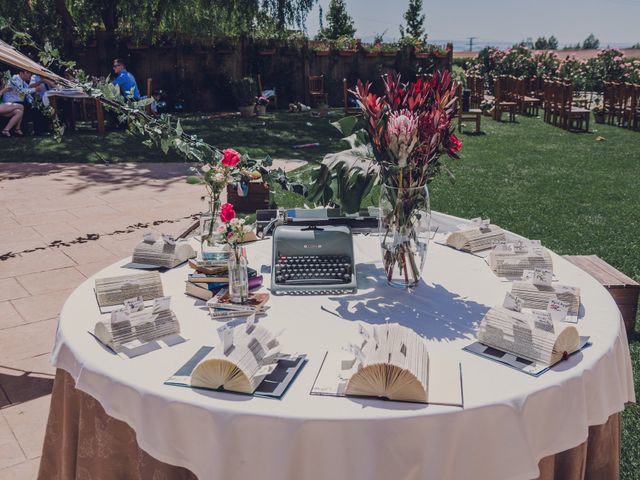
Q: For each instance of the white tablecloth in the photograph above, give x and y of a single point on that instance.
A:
(510, 420)
(64, 93)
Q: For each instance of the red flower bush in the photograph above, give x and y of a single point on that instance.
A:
(230, 157)
(227, 213)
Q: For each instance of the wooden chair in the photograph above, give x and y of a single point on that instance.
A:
(474, 114)
(316, 90)
(612, 101)
(475, 84)
(526, 104)
(635, 109)
(571, 115)
(273, 98)
(501, 102)
(348, 108)
(628, 104)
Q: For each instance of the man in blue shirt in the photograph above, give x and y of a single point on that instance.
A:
(125, 80)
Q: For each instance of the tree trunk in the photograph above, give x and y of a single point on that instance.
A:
(69, 25)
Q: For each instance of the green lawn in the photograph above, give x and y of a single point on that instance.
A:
(273, 135)
(576, 193)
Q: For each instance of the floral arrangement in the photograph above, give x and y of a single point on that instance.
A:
(409, 128)
(227, 167)
(232, 230)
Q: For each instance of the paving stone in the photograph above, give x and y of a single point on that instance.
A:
(10, 289)
(90, 269)
(10, 451)
(9, 316)
(88, 253)
(57, 231)
(28, 340)
(39, 261)
(95, 213)
(51, 280)
(17, 235)
(28, 422)
(22, 471)
(43, 218)
(20, 385)
(41, 307)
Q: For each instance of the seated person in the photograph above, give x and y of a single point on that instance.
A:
(125, 80)
(43, 85)
(21, 92)
(157, 104)
(14, 111)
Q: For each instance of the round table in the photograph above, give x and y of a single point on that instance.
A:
(510, 420)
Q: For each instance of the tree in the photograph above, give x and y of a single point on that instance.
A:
(552, 43)
(415, 21)
(541, 43)
(65, 22)
(590, 42)
(339, 22)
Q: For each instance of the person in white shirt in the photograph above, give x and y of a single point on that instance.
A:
(12, 110)
(21, 92)
(42, 85)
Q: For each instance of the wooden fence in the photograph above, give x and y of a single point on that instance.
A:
(198, 74)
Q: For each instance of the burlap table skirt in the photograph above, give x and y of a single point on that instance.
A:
(83, 442)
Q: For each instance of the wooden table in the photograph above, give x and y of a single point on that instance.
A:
(53, 96)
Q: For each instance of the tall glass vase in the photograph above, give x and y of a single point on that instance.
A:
(238, 277)
(405, 217)
(209, 222)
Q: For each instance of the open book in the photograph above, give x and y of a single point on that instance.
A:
(134, 325)
(249, 353)
(391, 363)
(481, 236)
(115, 290)
(537, 296)
(510, 260)
(533, 336)
(165, 252)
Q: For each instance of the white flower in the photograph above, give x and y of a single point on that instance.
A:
(219, 178)
(402, 135)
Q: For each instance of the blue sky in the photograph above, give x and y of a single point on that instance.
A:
(501, 22)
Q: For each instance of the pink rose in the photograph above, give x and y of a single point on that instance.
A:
(227, 213)
(230, 157)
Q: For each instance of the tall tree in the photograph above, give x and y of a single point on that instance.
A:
(541, 43)
(415, 21)
(339, 22)
(552, 43)
(590, 42)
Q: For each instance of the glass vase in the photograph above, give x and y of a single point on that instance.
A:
(238, 277)
(209, 222)
(405, 217)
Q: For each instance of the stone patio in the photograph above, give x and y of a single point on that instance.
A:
(60, 224)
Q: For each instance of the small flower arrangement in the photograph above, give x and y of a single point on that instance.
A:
(232, 230)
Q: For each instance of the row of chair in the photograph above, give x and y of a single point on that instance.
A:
(559, 109)
(621, 103)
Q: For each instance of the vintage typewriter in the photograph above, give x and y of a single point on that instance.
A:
(313, 259)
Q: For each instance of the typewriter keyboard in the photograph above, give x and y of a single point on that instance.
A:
(313, 270)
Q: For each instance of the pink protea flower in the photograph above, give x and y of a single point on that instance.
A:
(402, 135)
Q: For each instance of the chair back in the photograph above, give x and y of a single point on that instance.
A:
(316, 84)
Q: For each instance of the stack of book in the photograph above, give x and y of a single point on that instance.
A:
(221, 308)
(209, 276)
